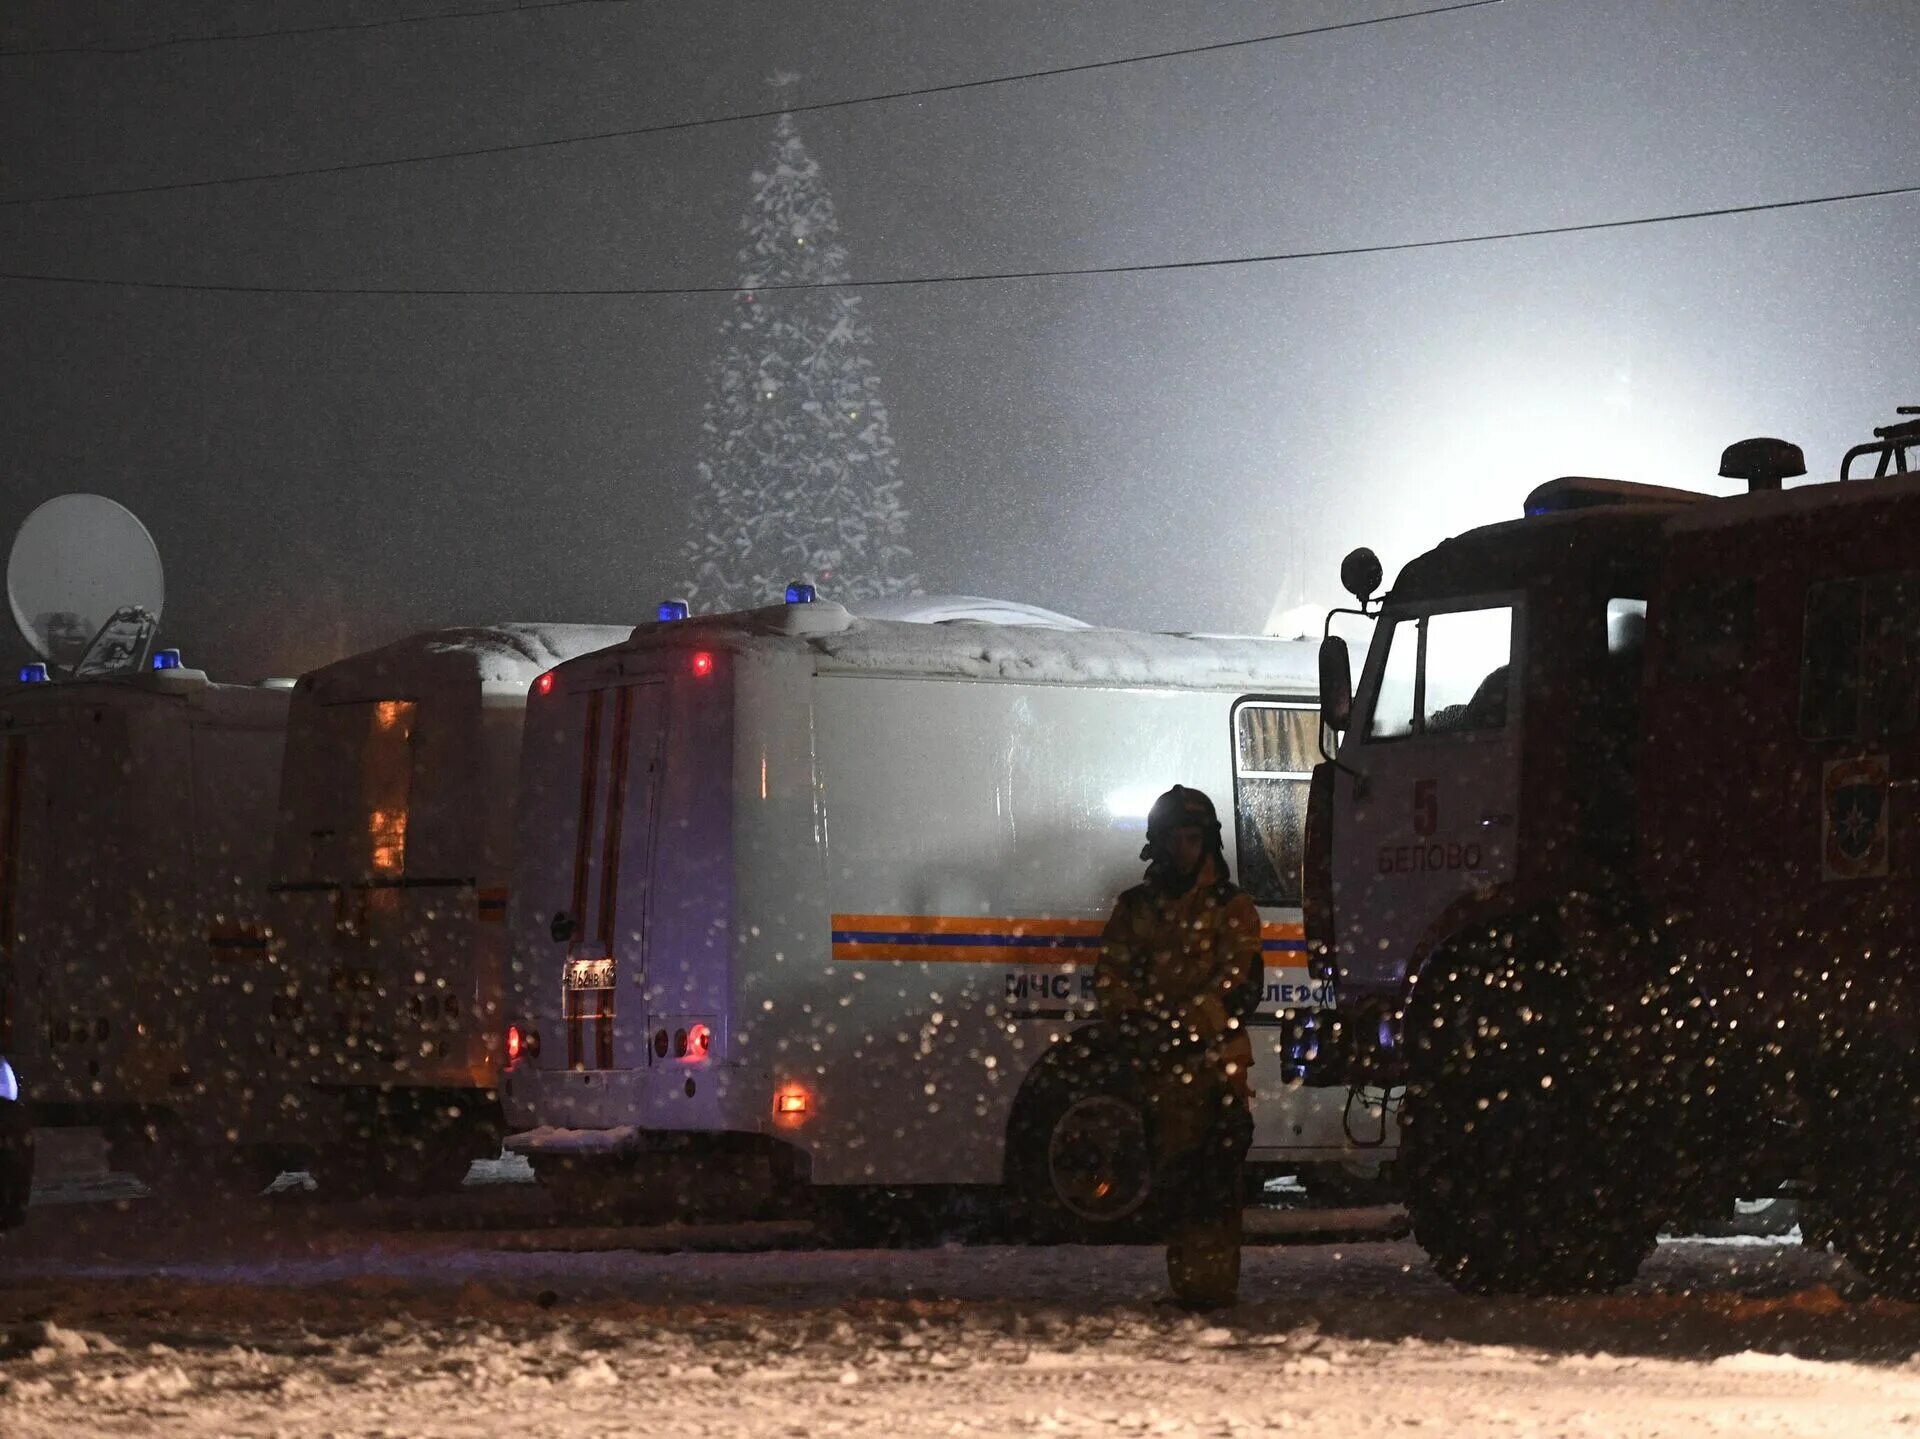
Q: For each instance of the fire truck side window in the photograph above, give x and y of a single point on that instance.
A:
(1465, 671)
(1274, 749)
(1860, 668)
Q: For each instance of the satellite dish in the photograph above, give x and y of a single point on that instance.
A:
(85, 584)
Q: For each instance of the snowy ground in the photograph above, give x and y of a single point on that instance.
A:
(480, 1317)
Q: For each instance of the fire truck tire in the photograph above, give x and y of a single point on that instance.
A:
(1518, 1154)
(1081, 1162)
(1866, 1211)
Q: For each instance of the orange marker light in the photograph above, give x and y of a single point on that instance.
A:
(791, 1104)
(702, 664)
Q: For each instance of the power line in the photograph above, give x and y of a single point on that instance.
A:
(974, 277)
(428, 18)
(675, 126)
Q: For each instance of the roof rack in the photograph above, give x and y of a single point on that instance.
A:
(1891, 443)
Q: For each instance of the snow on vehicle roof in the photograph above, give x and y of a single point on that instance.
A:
(505, 654)
(846, 644)
(150, 690)
(1083, 656)
(958, 609)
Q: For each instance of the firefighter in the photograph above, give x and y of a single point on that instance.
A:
(1179, 970)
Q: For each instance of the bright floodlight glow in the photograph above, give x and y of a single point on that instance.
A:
(1132, 802)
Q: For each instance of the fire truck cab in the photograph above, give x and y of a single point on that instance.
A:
(1616, 863)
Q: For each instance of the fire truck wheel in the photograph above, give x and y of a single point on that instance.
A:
(1082, 1163)
(1519, 1146)
(1870, 1218)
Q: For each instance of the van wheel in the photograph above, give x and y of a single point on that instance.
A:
(1083, 1164)
(1519, 1145)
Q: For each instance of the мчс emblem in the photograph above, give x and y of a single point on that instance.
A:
(1853, 818)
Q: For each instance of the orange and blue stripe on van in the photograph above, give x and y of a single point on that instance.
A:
(977, 939)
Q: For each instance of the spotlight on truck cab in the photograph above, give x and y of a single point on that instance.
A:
(1361, 574)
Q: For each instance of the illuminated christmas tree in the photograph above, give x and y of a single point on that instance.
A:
(798, 479)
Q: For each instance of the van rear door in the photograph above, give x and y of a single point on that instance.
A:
(604, 899)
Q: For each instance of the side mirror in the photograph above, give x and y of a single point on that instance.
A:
(1336, 684)
(1360, 572)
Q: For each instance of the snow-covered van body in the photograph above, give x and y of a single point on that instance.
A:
(136, 815)
(389, 881)
(837, 883)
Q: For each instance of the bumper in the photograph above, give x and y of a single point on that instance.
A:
(620, 1142)
(703, 1098)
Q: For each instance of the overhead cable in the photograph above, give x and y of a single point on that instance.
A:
(676, 126)
(220, 37)
(966, 278)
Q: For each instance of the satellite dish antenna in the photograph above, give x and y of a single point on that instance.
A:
(86, 587)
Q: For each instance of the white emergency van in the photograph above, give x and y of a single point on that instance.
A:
(807, 897)
(136, 815)
(389, 893)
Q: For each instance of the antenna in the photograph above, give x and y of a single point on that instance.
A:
(86, 586)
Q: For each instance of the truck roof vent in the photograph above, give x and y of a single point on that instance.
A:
(1585, 492)
(1762, 463)
(1891, 443)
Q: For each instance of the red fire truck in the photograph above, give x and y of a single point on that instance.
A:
(1617, 867)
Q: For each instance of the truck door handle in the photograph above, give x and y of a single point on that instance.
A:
(1495, 821)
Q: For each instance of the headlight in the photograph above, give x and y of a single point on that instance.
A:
(9, 1084)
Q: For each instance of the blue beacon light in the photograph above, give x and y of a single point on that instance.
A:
(33, 674)
(167, 660)
(671, 610)
(801, 594)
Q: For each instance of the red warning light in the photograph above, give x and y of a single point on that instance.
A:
(515, 1044)
(699, 1043)
(702, 664)
(544, 685)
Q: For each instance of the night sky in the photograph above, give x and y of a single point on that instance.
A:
(1163, 450)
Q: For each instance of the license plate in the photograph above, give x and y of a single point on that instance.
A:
(590, 974)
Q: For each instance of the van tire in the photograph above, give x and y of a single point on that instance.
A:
(1080, 1157)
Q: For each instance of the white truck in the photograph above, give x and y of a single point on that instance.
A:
(810, 902)
(388, 894)
(135, 973)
